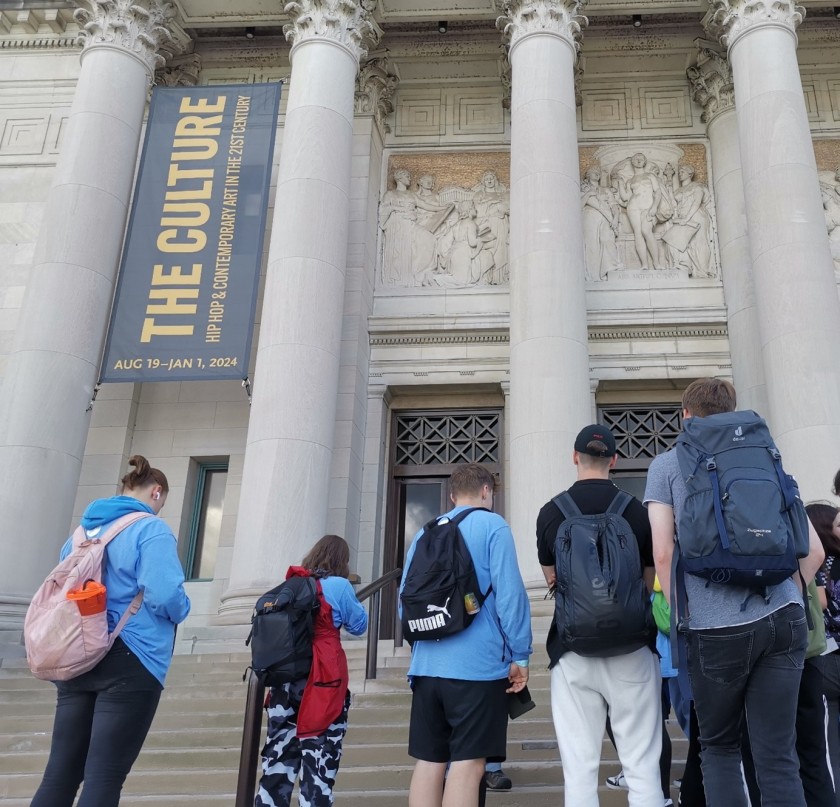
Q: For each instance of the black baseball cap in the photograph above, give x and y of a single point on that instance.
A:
(599, 433)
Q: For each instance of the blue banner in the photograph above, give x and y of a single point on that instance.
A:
(187, 288)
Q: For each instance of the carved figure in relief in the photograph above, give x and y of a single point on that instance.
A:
(451, 237)
(464, 261)
(492, 204)
(409, 247)
(689, 232)
(601, 213)
(831, 206)
(641, 196)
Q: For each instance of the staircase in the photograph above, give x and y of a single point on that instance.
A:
(192, 752)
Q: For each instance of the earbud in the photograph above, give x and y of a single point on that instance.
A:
(156, 495)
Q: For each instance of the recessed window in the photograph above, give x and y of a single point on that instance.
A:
(206, 523)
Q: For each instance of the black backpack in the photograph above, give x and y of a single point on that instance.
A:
(441, 594)
(601, 604)
(282, 627)
(743, 521)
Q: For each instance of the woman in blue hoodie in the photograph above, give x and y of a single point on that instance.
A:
(102, 717)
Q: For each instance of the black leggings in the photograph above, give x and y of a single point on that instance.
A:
(101, 722)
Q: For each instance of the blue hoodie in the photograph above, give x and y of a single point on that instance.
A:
(501, 632)
(143, 557)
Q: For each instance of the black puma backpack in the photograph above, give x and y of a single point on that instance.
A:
(441, 594)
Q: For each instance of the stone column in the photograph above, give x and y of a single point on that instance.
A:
(58, 344)
(795, 289)
(285, 481)
(713, 90)
(549, 359)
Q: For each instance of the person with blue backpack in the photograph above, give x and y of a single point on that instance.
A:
(733, 548)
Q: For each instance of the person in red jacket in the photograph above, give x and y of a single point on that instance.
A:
(307, 719)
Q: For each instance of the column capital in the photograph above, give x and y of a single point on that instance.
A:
(181, 71)
(712, 85)
(348, 23)
(143, 28)
(560, 17)
(727, 20)
(375, 86)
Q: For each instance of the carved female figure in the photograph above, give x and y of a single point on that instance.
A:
(492, 204)
(691, 212)
(408, 249)
(831, 206)
(463, 259)
(641, 196)
(600, 226)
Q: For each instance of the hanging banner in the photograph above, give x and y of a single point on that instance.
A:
(187, 288)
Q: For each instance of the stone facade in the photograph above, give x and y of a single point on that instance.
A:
(539, 212)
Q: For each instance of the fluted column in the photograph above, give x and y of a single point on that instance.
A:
(793, 273)
(713, 89)
(285, 481)
(549, 360)
(58, 344)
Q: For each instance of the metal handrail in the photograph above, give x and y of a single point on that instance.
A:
(373, 590)
(246, 783)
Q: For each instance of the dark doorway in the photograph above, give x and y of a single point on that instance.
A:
(426, 446)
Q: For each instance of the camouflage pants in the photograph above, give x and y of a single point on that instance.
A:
(284, 754)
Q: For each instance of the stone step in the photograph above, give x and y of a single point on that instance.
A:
(224, 755)
(192, 752)
(520, 796)
(207, 781)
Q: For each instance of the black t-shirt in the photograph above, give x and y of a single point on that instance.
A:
(592, 496)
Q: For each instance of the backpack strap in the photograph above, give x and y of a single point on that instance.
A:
(463, 514)
(566, 505)
(620, 503)
(455, 521)
(117, 526)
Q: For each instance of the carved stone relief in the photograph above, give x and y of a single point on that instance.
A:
(647, 214)
(646, 210)
(827, 153)
(449, 228)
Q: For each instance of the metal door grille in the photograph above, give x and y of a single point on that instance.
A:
(642, 432)
(447, 439)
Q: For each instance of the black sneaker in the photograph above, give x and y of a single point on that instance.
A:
(497, 780)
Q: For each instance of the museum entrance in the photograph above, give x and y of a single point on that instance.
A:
(426, 446)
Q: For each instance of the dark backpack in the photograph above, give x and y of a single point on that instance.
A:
(282, 627)
(743, 522)
(601, 604)
(441, 594)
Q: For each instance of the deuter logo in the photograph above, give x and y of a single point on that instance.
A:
(427, 623)
(739, 432)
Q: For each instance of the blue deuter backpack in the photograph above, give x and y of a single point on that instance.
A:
(743, 522)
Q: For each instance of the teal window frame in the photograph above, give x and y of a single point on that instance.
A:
(195, 520)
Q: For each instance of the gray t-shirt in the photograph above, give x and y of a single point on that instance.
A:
(712, 605)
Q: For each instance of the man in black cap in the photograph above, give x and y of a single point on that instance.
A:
(615, 674)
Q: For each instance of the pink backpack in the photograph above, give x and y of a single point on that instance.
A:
(60, 642)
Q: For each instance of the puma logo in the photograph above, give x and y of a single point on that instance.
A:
(440, 608)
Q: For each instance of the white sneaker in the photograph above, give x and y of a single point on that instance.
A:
(617, 782)
(668, 803)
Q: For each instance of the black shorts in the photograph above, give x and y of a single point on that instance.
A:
(454, 720)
